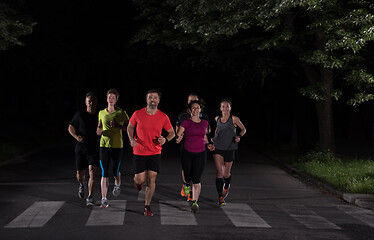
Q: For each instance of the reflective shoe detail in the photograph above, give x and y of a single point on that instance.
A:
(104, 203)
(90, 201)
(221, 202)
(194, 207)
(189, 198)
(225, 192)
(116, 190)
(81, 191)
(147, 211)
(183, 194)
(186, 189)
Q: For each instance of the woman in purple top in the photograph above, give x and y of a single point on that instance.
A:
(194, 130)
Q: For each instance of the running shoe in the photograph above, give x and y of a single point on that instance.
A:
(185, 190)
(183, 194)
(81, 191)
(116, 190)
(147, 211)
(90, 201)
(194, 207)
(225, 192)
(189, 198)
(221, 202)
(138, 186)
(104, 203)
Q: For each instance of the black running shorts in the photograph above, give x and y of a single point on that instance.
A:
(228, 155)
(84, 157)
(143, 163)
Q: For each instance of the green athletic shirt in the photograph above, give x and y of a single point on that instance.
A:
(112, 137)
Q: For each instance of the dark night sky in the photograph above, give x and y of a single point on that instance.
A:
(81, 46)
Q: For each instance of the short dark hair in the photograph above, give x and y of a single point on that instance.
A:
(113, 91)
(154, 91)
(91, 94)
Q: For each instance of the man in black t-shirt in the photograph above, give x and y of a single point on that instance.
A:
(185, 192)
(83, 128)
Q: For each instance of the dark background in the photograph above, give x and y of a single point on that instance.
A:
(81, 46)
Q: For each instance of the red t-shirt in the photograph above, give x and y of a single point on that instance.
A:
(148, 129)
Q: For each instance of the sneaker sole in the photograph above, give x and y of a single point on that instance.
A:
(194, 208)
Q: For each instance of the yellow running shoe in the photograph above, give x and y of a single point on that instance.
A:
(221, 202)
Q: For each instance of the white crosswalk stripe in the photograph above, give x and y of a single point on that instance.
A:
(242, 215)
(113, 215)
(176, 213)
(37, 215)
(309, 218)
(364, 215)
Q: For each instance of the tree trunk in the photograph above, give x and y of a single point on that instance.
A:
(326, 77)
(324, 108)
(325, 113)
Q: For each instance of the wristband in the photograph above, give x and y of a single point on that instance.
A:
(166, 140)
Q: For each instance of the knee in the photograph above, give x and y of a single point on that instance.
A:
(196, 181)
(226, 175)
(138, 179)
(151, 178)
(81, 174)
(92, 171)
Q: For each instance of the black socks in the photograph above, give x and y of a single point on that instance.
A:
(227, 182)
(219, 185)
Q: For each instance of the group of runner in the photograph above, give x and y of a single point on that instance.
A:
(144, 129)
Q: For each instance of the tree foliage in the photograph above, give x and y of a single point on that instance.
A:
(13, 25)
(328, 34)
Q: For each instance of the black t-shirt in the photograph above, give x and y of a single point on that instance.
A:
(85, 125)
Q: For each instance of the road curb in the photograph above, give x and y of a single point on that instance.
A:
(361, 200)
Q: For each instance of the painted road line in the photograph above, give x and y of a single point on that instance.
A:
(176, 213)
(112, 215)
(309, 218)
(364, 215)
(37, 215)
(242, 215)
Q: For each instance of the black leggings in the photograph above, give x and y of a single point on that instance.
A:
(193, 165)
(105, 155)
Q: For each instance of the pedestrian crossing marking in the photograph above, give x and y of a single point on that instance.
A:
(364, 215)
(37, 215)
(110, 216)
(309, 218)
(242, 215)
(176, 213)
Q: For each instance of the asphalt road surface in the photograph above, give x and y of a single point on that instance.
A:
(38, 200)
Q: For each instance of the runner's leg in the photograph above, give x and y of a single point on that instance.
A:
(219, 163)
(151, 186)
(92, 181)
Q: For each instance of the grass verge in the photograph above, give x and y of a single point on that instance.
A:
(344, 174)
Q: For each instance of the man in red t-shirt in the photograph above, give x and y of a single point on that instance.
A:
(147, 144)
